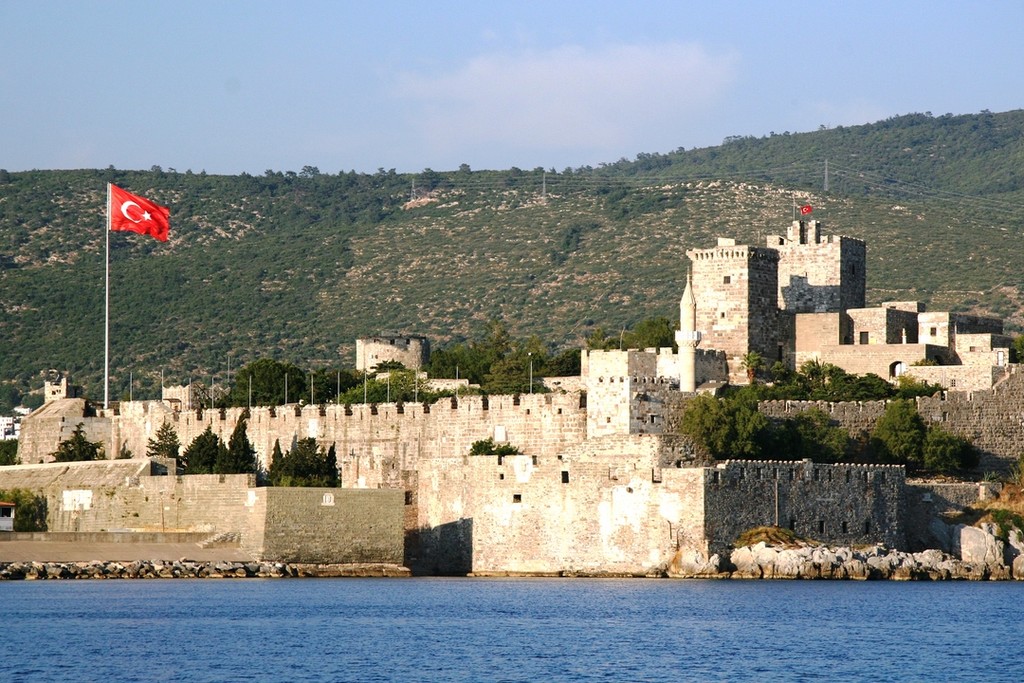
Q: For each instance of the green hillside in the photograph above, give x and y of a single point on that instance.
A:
(295, 266)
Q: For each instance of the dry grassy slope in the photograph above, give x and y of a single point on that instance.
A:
(458, 261)
(231, 282)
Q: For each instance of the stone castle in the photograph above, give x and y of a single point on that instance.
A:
(604, 484)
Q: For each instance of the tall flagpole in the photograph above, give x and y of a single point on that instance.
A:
(106, 312)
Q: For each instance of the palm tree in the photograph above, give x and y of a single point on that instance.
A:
(752, 362)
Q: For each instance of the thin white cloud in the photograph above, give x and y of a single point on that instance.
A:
(567, 98)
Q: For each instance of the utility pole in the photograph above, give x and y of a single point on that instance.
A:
(530, 354)
(826, 175)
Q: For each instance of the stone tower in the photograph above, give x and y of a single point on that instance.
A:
(736, 289)
(819, 273)
(688, 338)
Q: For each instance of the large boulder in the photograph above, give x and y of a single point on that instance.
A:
(978, 545)
(694, 564)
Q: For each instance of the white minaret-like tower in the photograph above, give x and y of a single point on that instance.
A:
(687, 339)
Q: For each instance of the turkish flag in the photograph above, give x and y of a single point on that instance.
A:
(128, 211)
(805, 209)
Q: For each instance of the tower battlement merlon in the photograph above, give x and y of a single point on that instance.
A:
(819, 273)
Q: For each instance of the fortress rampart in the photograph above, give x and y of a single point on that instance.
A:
(991, 419)
(391, 433)
(837, 504)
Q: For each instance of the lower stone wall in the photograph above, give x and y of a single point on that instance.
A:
(930, 501)
(322, 525)
(617, 514)
(835, 504)
(274, 524)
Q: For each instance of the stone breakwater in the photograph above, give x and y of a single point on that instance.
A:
(818, 562)
(187, 569)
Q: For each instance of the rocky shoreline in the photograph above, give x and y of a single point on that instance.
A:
(188, 569)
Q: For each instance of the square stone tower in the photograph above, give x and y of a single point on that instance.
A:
(819, 273)
(736, 288)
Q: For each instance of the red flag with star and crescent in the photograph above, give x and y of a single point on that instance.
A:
(128, 211)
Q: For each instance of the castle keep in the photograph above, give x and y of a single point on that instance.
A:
(604, 483)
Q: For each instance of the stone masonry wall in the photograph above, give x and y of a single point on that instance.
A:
(395, 433)
(836, 504)
(824, 275)
(202, 503)
(618, 514)
(324, 525)
(992, 420)
(736, 288)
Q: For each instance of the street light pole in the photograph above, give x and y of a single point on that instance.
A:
(531, 371)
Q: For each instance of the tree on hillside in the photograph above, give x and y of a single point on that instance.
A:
(78, 448)
(239, 457)
(165, 445)
(202, 453)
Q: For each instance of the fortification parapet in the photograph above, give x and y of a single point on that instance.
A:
(990, 418)
(848, 504)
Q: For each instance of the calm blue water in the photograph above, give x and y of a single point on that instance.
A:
(508, 630)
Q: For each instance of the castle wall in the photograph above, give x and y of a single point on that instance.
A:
(610, 377)
(927, 501)
(835, 504)
(883, 325)
(819, 273)
(990, 419)
(973, 377)
(325, 525)
(43, 430)
(274, 524)
(411, 351)
(736, 289)
(610, 512)
(878, 359)
(857, 417)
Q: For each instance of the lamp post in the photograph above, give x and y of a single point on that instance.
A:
(530, 354)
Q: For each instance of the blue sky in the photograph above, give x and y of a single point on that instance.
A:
(229, 87)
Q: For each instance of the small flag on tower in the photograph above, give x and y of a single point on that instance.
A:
(137, 214)
(806, 209)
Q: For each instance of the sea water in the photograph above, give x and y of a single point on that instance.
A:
(427, 629)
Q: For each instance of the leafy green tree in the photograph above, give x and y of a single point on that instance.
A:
(305, 464)
(165, 445)
(29, 509)
(811, 435)
(202, 453)
(726, 427)
(9, 452)
(908, 386)
(78, 448)
(488, 447)
(650, 333)
(947, 452)
(240, 456)
(1017, 349)
(898, 436)
(564, 364)
(269, 384)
